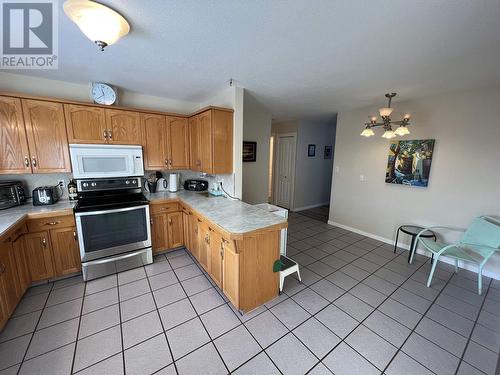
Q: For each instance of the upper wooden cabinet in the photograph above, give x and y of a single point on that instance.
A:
(178, 142)
(211, 139)
(166, 141)
(85, 124)
(123, 127)
(14, 152)
(46, 132)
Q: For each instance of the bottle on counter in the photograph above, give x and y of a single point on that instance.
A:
(72, 191)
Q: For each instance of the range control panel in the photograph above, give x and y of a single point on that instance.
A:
(108, 184)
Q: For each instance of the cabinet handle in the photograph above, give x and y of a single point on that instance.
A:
(221, 251)
(170, 161)
(110, 134)
(44, 242)
(26, 161)
(52, 223)
(170, 222)
(166, 161)
(151, 221)
(105, 134)
(75, 236)
(2, 268)
(33, 161)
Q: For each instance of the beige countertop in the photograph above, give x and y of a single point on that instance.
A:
(231, 215)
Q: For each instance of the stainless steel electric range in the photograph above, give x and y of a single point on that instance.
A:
(112, 221)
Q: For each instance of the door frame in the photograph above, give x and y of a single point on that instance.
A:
(278, 136)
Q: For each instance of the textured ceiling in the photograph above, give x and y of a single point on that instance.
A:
(301, 59)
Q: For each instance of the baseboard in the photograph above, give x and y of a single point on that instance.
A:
(406, 246)
(309, 207)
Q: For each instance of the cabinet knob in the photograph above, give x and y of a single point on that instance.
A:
(52, 223)
(110, 134)
(44, 242)
(26, 161)
(166, 161)
(2, 268)
(105, 134)
(33, 161)
(75, 236)
(151, 221)
(169, 161)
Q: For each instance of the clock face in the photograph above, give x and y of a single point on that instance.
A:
(103, 94)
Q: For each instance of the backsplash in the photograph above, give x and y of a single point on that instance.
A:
(227, 179)
(32, 181)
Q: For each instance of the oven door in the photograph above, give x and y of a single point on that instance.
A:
(110, 232)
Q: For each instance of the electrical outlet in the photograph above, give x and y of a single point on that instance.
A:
(362, 178)
(62, 184)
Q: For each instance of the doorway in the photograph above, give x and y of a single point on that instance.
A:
(284, 169)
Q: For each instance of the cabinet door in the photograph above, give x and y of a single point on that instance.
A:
(222, 141)
(203, 244)
(8, 274)
(39, 256)
(21, 265)
(154, 136)
(85, 124)
(193, 236)
(205, 135)
(231, 274)
(124, 127)
(14, 153)
(185, 230)
(47, 140)
(175, 230)
(66, 251)
(194, 144)
(216, 258)
(159, 232)
(178, 143)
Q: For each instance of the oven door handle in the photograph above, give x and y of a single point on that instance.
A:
(119, 257)
(103, 212)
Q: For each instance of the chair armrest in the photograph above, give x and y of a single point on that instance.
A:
(479, 245)
(417, 238)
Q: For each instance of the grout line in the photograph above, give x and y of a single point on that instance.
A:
(78, 330)
(33, 333)
(472, 331)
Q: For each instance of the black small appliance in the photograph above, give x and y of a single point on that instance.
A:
(196, 185)
(45, 195)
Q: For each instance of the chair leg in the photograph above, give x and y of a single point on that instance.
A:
(432, 271)
(412, 252)
(298, 274)
(282, 279)
(456, 265)
(480, 280)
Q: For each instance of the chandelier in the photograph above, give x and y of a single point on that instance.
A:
(387, 123)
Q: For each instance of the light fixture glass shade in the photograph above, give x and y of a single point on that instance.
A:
(385, 112)
(388, 134)
(367, 132)
(402, 130)
(99, 23)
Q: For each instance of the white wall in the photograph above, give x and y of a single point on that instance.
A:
(464, 179)
(256, 128)
(313, 175)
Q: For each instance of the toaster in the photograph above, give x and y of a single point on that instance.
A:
(196, 185)
(45, 195)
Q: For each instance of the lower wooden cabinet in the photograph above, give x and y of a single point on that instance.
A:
(175, 230)
(231, 272)
(203, 244)
(193, 236)
(8, 280)
(65, 251)
(21, 265)
(39, 255)
(159, 233)
(215, 258)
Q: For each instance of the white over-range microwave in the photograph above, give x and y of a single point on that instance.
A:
(106, 161)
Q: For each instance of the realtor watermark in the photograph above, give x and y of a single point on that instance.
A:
(29, 37)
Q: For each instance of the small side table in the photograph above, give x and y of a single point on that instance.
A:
(413, 230)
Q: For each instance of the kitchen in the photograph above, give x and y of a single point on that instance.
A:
(116, 224)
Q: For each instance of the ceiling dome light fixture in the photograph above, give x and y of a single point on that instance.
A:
(100, 24)
(387, 123)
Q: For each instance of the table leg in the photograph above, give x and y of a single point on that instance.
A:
(411, 247)
(396, 242)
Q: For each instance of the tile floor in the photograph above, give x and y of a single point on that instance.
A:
(360, 310)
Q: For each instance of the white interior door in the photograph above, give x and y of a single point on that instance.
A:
(285, 170)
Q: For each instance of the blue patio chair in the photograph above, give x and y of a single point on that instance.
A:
(478, 243)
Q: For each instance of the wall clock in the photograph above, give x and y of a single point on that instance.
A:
(102, 93)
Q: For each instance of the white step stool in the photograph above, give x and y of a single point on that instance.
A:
(289, 267)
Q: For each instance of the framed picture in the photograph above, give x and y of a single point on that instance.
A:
(311, 150)
(249, 151)
(409, 162)
(328, 152)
